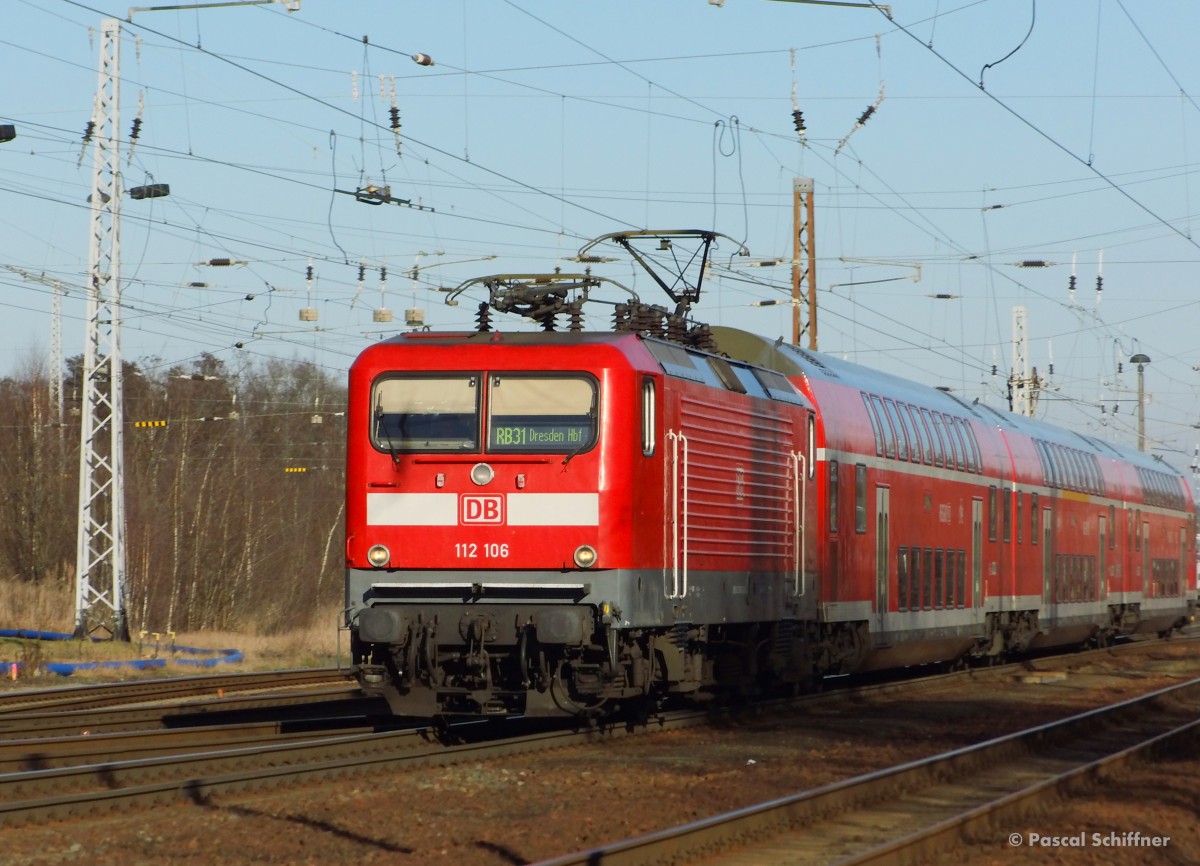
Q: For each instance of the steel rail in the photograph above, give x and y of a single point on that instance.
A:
(72, 792)
(18, 756)
(27, 797)
(779, 829)
(213, 711)
(67, 698)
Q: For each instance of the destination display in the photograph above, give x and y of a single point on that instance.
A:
(550, 434)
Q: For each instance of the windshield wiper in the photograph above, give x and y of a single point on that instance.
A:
(382, 436)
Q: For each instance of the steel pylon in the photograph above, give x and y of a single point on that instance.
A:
(100, 553)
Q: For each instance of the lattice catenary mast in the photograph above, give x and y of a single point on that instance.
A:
(100, 553)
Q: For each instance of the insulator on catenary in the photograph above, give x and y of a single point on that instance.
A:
(798, 121)
(88, 131)
(137, 129)
(422, 60)
(866, 115)
(394, 111)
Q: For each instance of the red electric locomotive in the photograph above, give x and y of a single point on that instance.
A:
(552, 523)
(572, 523)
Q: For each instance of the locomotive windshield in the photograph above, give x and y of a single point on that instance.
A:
(526, 413)
(435, 413)
(539, 413)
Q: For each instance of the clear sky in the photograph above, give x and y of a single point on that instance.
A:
(541, 125)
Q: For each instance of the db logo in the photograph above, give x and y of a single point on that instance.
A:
(481, 509)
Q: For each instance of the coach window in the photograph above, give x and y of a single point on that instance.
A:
(901, 578)
(1047, 466)
(950, 578)
(953, 456)
(860, 498)
(959, 440)
(970, 444)
(1050, 469)
(426, 413)
(889, 433)
(927, 580)
(1064, 468)
(1041, 452)
(1078, 483)
(910, 429)
(913, 418)
(876, 425)
(1020, 524)
(992, 513)
(973, 443)
(960, 599)
(834, 486)
(1072, 470)
(1060, 470)
(1112, 527)
(901, 436)
(922, 435)
(648, 416)
(914, 587)
(934, 436)
(939, 569)
(1033, 518)
(1007, 521)
(541, 414)
(1076, 471)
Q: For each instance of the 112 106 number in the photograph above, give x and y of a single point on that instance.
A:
(490, 550)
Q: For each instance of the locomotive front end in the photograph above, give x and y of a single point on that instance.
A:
(484, 533)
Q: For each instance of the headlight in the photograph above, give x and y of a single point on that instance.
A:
(585, 556)
(379, 556)
(482, 474)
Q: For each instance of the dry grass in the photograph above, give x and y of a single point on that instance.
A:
(47, 606)
(51, 609)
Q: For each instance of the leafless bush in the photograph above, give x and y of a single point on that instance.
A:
(230, 507)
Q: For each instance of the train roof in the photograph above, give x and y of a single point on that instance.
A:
(510, 338)
(817, 367)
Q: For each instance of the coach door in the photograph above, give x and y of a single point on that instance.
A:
(1048, 600)
(977, 552)
(1102, 562)
(883, 522)
(1146, 575)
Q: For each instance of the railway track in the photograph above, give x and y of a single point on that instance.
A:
(73, 776)
(280, 697)
(61, 777)
(70, 698)
(913, 812)
(91, 789)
